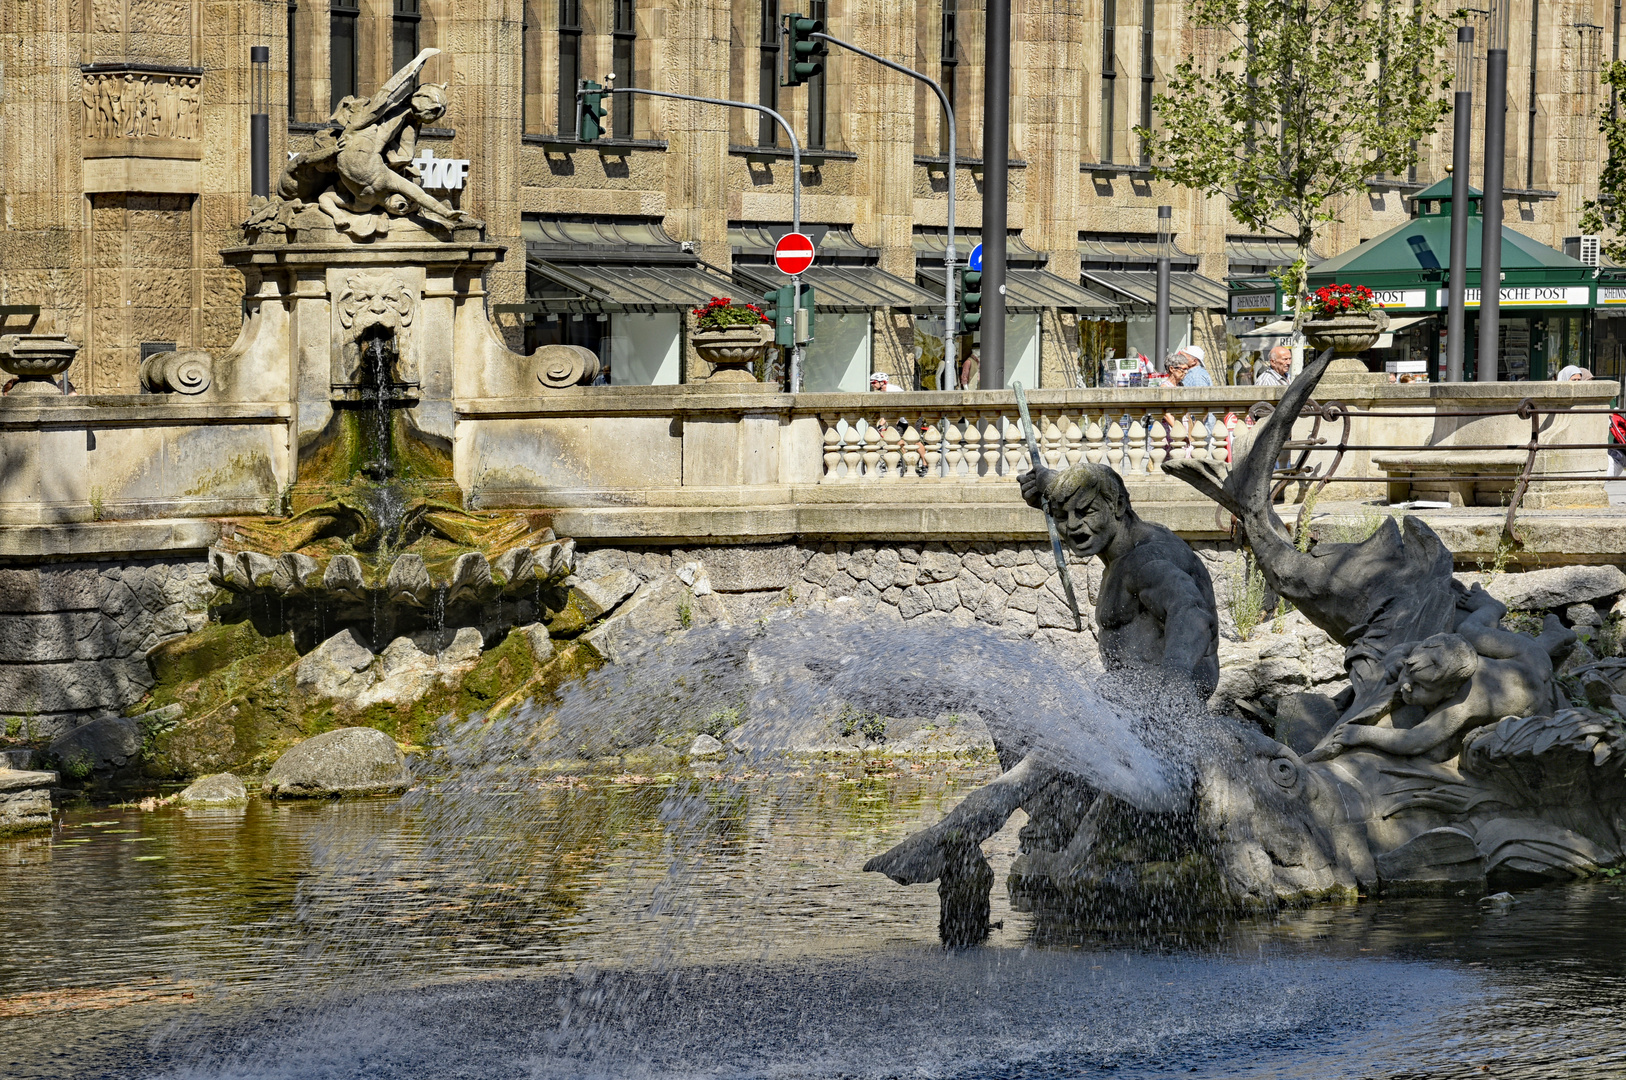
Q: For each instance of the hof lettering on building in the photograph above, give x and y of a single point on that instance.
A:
(440, 174)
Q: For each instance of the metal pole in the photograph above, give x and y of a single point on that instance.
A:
(1490, 258)
(949, 254)
(996, 139)
(1456, 321)
(795, 198)
(259, 124)
(1160, 328)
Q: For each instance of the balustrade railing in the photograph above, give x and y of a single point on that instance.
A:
(964, 444)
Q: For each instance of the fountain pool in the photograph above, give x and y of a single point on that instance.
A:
(606, 925)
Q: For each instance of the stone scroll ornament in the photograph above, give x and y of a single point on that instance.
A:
(1455, 761)
(363, 176)
(188, 371)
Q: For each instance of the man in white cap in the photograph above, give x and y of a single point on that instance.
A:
(882, 382)
(1187, 367)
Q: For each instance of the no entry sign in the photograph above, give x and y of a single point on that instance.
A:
(793, 253)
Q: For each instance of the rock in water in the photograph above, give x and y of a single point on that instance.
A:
(108, 743)
(705, 746)
(348, 761)
(218, 788)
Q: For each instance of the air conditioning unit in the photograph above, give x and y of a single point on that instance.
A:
(1591, 250)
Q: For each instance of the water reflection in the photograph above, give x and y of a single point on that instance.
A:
(718, 925)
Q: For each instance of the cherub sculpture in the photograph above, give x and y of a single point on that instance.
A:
(1443, 687)
(364, 175)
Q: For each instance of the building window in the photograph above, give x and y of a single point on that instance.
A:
(1109, 74)
(949, 64)
(404, 32)
(768, 74)
(624, 39)
(1148, 75)
(1532, 119)
(293, 61)
(570, 62)
(343, 16)
(817, 93)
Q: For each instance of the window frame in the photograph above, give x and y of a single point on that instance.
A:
(769, 47)
(624, 64)
(570, 45)
(343, 13)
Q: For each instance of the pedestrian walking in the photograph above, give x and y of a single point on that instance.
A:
(1277, 365)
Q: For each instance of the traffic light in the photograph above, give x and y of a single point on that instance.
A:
(592, 111)
(776, 304)
(970, 291)
(789, 327)
(806, 55)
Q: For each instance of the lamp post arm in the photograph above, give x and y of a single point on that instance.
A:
(795, 197)
(949, 254)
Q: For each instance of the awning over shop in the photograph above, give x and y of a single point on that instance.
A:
(1137, 289)
(1033, 290)
(930, 242)
(1098, 252)
(602, 288)
(843, 288)
(600, 241)
(1260, 255)
(833, 245)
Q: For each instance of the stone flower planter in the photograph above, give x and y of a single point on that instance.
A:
(1346, 334)
(36, 359)
(733, 353)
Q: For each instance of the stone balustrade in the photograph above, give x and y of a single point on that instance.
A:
(960, 444)
(695, 464)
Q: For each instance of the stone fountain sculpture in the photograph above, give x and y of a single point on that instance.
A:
(1456, 757)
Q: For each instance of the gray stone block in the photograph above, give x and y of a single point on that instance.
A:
(69, 635)
(753, 568)
(72, 687)
(49, 589)
(1557, 588)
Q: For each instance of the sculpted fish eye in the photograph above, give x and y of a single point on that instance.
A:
(1284, 772)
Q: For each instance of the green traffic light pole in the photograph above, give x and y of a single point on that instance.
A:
(949, 255)
(795, 193)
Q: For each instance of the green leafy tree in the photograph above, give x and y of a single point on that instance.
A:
(1603, 214)
(1304, 102)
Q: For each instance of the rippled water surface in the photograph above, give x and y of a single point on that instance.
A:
(719, 926)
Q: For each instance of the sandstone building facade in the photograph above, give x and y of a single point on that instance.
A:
(124, 163)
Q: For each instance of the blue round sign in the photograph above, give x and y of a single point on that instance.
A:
(975, 262)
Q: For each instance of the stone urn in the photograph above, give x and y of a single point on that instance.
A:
(35, 359)
(1346, 334)
(732, 352)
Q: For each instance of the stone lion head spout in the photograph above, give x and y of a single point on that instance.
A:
(369, 300)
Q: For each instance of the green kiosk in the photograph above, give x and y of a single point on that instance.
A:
(1548, 299)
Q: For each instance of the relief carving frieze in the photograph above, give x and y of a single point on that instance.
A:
(129, 103)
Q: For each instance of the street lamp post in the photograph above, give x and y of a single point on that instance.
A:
(1160, 331)
(795, 196)
(1456, 318)
(1490, 257)
(949, 255)
(996, 139)
(259, 121)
